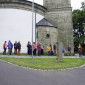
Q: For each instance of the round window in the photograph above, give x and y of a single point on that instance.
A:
(48, 35)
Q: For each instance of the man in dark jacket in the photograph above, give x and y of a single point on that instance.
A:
(69, 50)
(15, 47)
(29, 48)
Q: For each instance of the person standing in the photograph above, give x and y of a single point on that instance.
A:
(9, 47)
(54, 47)
(80, 50)
(63, 51)
(69, 50)
(18, 47)
(29, 51)
(42, 49)
(15, 47)
(48, 50)
(4, 47)
(51, 51)
(35, 48)
(39, 49)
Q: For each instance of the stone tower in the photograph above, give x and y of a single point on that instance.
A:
(60, 13)
(50, 4)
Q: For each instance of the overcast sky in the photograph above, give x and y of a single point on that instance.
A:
(76, 4)
(16, 25)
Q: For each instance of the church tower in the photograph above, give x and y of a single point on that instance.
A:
(60, 13)
(57, 3)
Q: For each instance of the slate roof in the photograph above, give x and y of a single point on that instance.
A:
(45, 22)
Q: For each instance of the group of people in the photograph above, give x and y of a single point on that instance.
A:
(69, 50)
(50, 51)
(17, 47)
(38, 47)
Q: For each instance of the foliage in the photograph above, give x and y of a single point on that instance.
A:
(46, 63)
(78, 17)
(83, 5)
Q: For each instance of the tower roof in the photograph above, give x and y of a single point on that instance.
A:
(45, 22)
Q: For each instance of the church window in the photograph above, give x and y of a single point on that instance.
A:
(47, 35)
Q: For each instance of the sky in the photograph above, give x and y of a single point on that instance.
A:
(16, 25)
(76, 4)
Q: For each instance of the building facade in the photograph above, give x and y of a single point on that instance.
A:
(59, 12)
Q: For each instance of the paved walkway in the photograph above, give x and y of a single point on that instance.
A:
(16, 56)
(15, 75)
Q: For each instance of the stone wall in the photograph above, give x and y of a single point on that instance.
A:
(63, 20)
(47, 35)
(57, 3)
(61, 15)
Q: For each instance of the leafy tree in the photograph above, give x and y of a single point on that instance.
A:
(78, 17)
(83, 5)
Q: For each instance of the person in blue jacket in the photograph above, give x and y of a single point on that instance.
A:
(69, 50)
(10, 46)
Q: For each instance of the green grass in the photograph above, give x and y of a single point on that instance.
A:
(46, 63)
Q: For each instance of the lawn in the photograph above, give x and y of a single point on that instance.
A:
(46, 63)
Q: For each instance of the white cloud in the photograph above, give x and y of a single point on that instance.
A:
(76, 4)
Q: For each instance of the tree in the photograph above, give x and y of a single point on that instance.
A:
(83, 5)
(78, 17)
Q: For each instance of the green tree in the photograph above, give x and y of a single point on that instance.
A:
(78, 17)
(83, 5)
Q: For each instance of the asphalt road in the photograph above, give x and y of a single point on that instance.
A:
(15, 75)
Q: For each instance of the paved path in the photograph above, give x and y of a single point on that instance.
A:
(15, 75)
(38, 56)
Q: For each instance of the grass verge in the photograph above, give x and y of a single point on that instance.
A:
(46, 63)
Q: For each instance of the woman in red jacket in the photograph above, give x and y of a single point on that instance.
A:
(18, 47)
(4, 47)
(35, 49)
